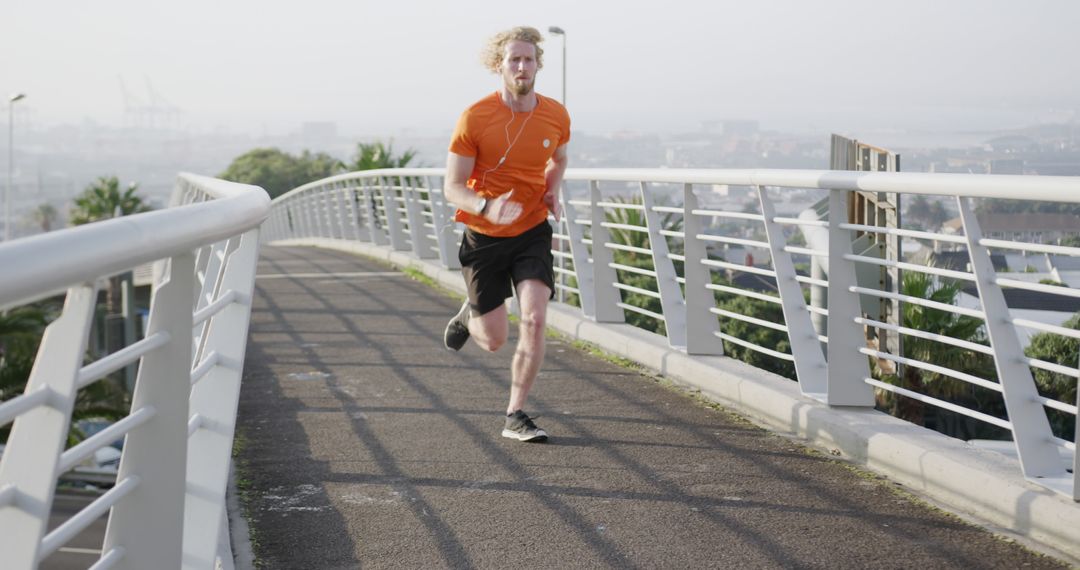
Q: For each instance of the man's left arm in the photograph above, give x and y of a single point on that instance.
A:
(553, 176)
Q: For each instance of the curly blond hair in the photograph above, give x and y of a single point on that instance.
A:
(493, 52)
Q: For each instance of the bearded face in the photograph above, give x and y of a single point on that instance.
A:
(519, 66)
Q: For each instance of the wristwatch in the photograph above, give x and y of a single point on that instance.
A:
(483, 206)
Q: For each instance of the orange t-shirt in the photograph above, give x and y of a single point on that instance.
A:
(485, 131)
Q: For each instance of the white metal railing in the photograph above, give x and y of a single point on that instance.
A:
(687, 229)
(167, 505)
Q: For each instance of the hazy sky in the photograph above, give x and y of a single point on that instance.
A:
(379, 67)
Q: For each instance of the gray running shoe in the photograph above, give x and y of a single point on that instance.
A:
(457, 330)
(520, 426)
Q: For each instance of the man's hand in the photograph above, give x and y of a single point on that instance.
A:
(551, 199)
(501, 211)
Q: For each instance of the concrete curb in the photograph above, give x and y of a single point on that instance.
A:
(243, 556)
(976, 482)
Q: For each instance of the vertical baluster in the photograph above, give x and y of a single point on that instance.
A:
(1031, 430)
(846, 366)
(701, 324)
(393, 220)
(442, 215)
(810, 365)
(671, 296)
(149, 522)
(583, 272)
(604, 277)
(32, 457)
(213, 409)
(379, 234)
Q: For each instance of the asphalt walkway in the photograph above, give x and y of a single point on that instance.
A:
(363, 443)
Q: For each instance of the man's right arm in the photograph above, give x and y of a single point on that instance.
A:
(499, 210)
(458, 169)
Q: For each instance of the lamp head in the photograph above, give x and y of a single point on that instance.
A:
(556, 30)
(17, 97)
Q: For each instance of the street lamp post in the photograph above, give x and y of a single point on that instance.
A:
(556, 30)
(11, 162)
(561, 32)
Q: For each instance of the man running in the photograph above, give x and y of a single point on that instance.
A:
(504, 170)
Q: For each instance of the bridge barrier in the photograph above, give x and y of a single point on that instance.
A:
(653, 248)
(166, 508)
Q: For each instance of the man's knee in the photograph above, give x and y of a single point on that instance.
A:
(489, 332)
(533, 323)
(490, 343)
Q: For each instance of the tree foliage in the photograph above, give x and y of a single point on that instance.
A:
(633, 215)
(762, 336)
(942, 323)
(21, 330)
(102, 200)
(1061, 350)
(376, 155)
(45, 216)
(1005, 206)
(1070, 241)
(277, 171)
(923, 214)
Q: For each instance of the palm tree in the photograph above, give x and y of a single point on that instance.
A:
(372, 156)
(103, 200)
(45, 216)
(960, 327)
(635, 216)
(21, 330)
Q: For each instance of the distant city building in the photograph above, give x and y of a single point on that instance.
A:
(1028, 226)
(319, 130)
(1007, 166)
(739, 128)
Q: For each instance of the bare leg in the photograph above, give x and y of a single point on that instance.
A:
(533, 296)
(490, 330)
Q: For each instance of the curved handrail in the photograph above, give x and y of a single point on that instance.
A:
(1056, 188)
(51, 262)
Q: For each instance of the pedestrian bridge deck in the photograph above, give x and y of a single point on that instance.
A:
(363, 442)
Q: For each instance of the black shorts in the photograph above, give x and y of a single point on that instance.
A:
(492, 265)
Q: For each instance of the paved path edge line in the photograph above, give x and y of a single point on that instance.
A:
(983, 484)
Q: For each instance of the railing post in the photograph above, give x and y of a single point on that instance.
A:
(1031, 430)
(846, 366)
(701, 324)
(337, 212)
(326, 199)
(322, 212)
(342, 209)
(582, 264)
(378, 232)
(1076, 439)
(300, 221)
(214, 401)
(311, 219)
(442, 217)
(671, 297)
(604, 276)
(393, 222)
(31, 459)
(353, 212)
(421, 243)
(210, 289)
(149, 522)
(810, 367)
